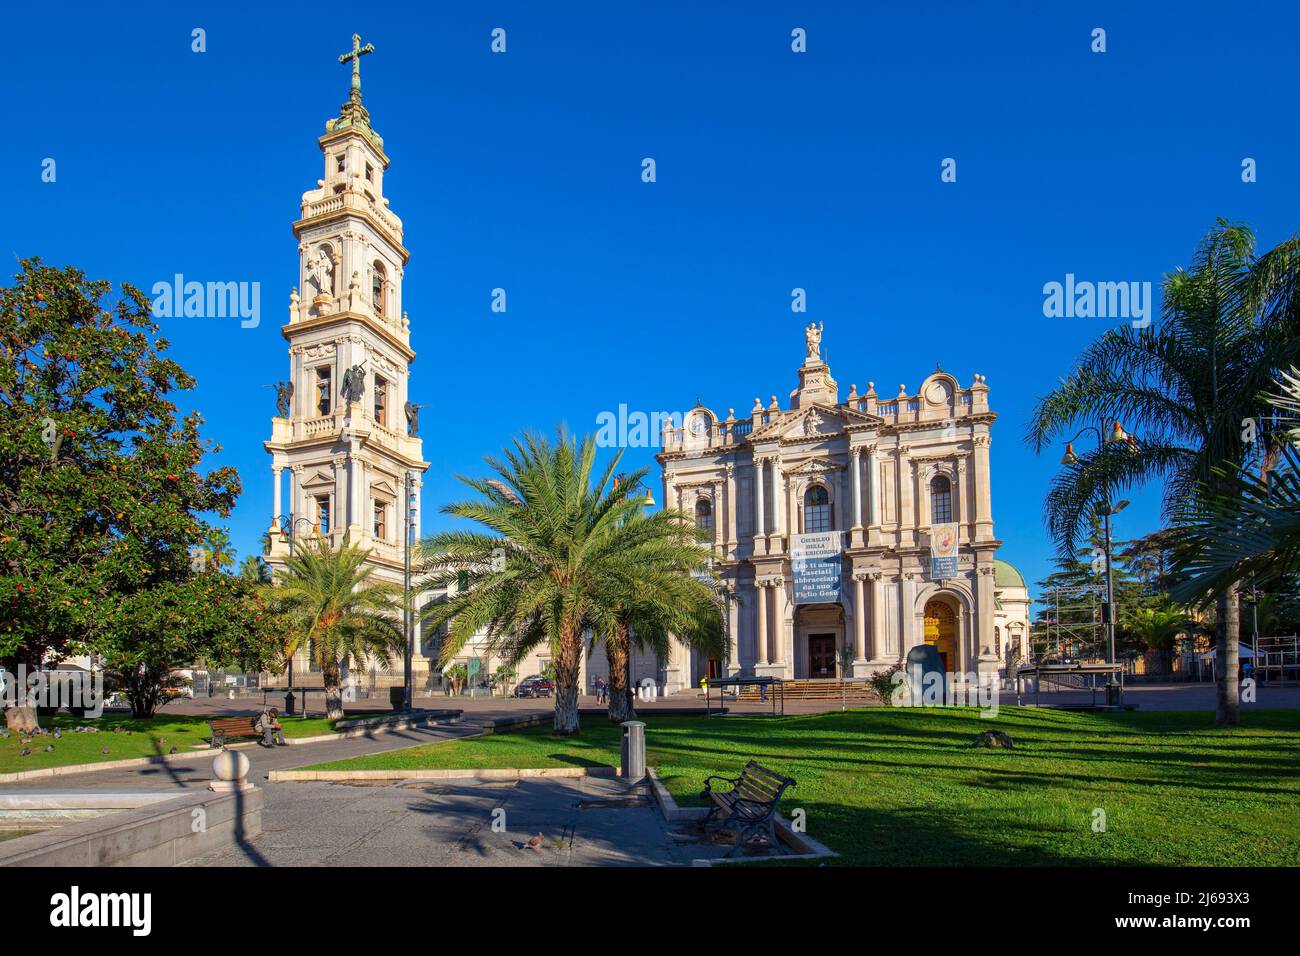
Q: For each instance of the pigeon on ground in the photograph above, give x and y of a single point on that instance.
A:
(172, 751)
(4, 733)
(104, 750)
(49, 748)
(25, 752)
(58, 734)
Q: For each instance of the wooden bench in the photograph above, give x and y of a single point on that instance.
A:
(227, 727)
(749, 806)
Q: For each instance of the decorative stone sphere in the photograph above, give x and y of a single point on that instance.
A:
(230, 765)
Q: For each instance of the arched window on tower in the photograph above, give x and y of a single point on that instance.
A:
(816, 509)
(704, 515)
(378, 288)
(940, 500)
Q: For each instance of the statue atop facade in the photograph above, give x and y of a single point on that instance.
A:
(353, 386)
(813, 339)
(283, 397)
(412, 419)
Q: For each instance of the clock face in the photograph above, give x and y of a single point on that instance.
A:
(698, 424)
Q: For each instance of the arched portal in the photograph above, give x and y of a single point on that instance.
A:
(941, 631)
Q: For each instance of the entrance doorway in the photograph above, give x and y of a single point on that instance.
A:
(821, 655)
(941, 631)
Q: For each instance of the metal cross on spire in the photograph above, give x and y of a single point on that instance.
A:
(355, 55)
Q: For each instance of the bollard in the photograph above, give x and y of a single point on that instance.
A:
(633, 762)
(288, 704)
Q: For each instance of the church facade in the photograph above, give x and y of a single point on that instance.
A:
(345, 451)
(826, 518)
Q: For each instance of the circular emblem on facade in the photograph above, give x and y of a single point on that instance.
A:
(698, 424)
(937, 393)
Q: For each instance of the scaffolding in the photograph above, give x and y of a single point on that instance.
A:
(1277, 660)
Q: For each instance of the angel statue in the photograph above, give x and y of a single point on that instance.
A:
(412, 419)
(283, 398)
(353, 386)
(813, 339)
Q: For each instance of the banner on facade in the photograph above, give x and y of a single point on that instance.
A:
(943, 551)
(815, 562)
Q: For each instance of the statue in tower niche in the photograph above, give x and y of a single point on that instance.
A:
(283, 398)
(323, 274)
(353, 386)
(412, 419)
(813, 339)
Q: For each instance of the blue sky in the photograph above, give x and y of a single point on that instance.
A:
(775, 171)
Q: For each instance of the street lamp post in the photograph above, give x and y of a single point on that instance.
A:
(288, 526)
(1114, 692)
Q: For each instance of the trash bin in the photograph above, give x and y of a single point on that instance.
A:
(1114, 694)
(633, 753)
(288, 704)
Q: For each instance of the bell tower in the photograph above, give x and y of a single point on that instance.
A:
(345, 436)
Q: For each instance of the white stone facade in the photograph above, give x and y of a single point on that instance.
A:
(870, 468)
(346, 463)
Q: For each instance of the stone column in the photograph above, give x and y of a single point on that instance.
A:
(879, 645)
(779, 643)
(733, 634)
(859, 621)
(760, 620)
(719, 519)
(275, 478)
(855, 464)
(909, 611)
(731, 511)
(906, 504)
(959, 514)
(983, 505)
(778, 505)
(758, 505)
(297, 508)
(873, 497)
(984, 613)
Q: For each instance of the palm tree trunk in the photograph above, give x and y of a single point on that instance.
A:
(1226, 634)
(617, 649)
(333, 688)
(566, 683)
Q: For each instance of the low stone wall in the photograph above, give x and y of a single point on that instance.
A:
(55, 808)
(162, 833)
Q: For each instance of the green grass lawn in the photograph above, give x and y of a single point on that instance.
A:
(896, 787)
(148, 738)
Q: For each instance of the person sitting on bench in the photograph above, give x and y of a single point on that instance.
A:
(268, 725)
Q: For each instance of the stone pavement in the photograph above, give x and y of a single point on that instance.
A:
(584, 821)
(415, 823)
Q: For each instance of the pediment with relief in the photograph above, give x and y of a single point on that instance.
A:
(815, 422)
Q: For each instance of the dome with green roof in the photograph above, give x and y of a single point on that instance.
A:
(1007, 576)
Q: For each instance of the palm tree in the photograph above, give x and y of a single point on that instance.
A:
(663, 601)
(1157, 628)
(324, 599)
(1248, 525)
(1184, 387)
(255, 569)
(558, 552)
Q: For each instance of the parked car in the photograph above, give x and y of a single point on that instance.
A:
(535, 686)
